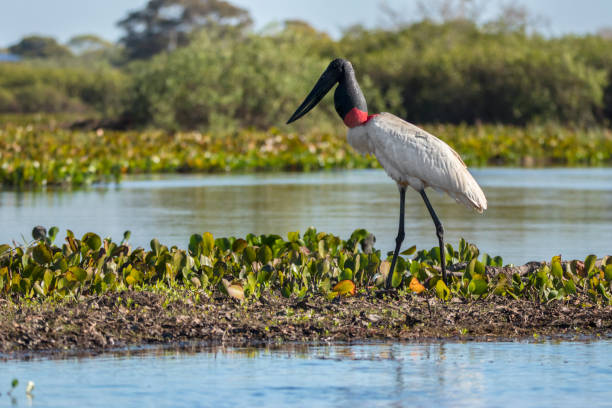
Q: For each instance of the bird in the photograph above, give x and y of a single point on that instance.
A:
(409, 155)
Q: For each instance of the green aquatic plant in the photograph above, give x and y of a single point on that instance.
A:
(299, 266)
(41, 154)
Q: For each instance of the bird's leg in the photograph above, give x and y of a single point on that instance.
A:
(439, 233)
(400, 236)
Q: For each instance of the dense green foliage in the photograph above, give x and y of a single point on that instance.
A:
(31, 156)
(459, 72)
(426, 72)
(37, 153)
(316, 262)
(227, 82)
(35, 46)
(40, 86)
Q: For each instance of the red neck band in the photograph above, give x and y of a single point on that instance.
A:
(356, 117)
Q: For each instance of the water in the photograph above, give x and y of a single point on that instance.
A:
(569, 374)
(533, 214)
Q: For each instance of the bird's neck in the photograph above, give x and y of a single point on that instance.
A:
(349, 100)
(356, 117)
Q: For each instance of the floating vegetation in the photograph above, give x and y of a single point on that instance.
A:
(37, 154)
(315, 263)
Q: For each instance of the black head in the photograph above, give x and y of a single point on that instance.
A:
(347, 96)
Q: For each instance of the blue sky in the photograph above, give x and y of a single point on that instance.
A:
(66, 18)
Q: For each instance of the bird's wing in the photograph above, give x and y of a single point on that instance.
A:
(411, 156)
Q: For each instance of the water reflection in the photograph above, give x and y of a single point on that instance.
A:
(383, 374)
(533, 214)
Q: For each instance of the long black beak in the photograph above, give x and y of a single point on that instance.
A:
(328, 79)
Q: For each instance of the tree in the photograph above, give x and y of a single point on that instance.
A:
(39, 47)
(88, 43)
(166, 24)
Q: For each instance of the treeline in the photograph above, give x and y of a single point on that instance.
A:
(227, 77)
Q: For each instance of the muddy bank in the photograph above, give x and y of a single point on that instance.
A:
(129, 318)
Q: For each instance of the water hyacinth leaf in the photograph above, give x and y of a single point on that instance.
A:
(92, 240)
(4, 249)
(126, 236)
(409, 251)
(569, 286)
(450, 250)
(208, 243)
(235, 290)
(397, 277)
(239, 245)
(134, 277)
(434, 255)
(602, 290)
(331, 295)
(345, 287)
(577, 267)
(471, 268)
(251, 282)
(223, 243)
(416, 286)
(479, 268)
(415, 267)
(589, 264)
(498, 261)
(52, 233)
(220, 269)
(356, 263)
(293, 236)
(608, 273)
(301, 294)
(195, 247)
(110, 278)
(42, 254)
(321, 248)
(286, 290)
(346, 274)
(442, 290)
(477, 287)
(48, 279)
(155, 246)
(486, 259)
(16, 280)
(384, 268)
(76, 273)
(249, 254)
(264, 254)
(502, 285)
(555, 268)
(62, 283)
(358, 235)
(39, 291)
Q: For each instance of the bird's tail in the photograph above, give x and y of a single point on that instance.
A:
(472, 196)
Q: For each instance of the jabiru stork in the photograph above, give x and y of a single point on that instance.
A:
(410, 156)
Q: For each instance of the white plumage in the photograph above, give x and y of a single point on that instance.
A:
(412, 157)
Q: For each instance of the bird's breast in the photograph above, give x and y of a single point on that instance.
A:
(358, 139)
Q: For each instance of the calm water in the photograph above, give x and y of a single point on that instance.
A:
(533, 214)
(452, 374)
